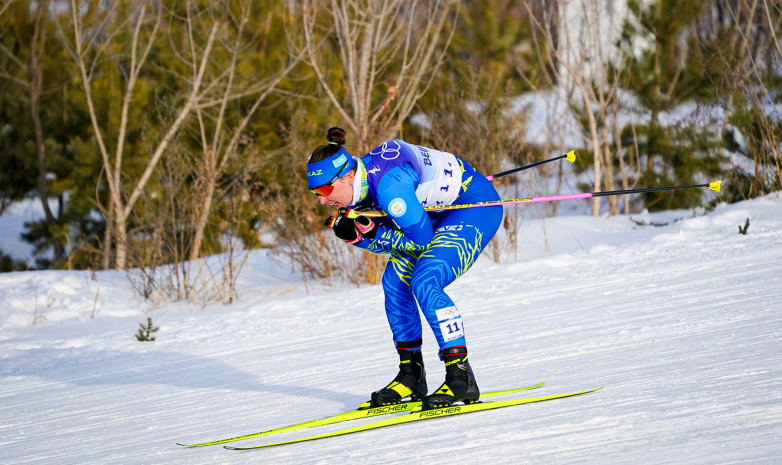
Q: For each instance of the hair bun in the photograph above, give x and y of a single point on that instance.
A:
(336, 135)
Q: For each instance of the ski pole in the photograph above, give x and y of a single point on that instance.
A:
(570, 156)
(715, 186)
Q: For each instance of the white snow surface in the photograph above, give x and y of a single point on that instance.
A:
(681, 323)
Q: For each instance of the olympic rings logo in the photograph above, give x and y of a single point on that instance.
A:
(387, 152)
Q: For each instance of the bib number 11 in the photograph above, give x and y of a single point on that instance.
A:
(450, 321)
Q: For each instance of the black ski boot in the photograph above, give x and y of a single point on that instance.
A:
(459, 385)
(410, 382)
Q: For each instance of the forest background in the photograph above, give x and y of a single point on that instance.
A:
(158, 132)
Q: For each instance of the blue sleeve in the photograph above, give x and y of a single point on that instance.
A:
(396, 196)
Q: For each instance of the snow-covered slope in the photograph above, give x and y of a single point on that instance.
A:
(682, 324)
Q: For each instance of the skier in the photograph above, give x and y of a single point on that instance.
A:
(428, 250)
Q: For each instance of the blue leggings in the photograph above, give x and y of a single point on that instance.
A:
(459, 238)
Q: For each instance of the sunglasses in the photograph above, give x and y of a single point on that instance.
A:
(326, 189)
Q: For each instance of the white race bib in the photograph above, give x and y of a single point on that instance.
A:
(450, 321)
(441, 177)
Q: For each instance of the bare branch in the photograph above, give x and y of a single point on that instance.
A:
(772, 30)
(12, 56)
(78, 55)
(184, 112)
(20, 82)
(136, 64)
(309, 21)
(393, 41)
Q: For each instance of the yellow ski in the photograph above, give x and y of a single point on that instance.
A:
(421, 415)
(362, 412)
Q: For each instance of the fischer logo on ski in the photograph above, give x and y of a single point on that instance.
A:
(361, 412)
(421, 415)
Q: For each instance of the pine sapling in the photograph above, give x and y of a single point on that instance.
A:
(145, 333)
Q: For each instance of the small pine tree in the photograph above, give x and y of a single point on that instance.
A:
(145, 333)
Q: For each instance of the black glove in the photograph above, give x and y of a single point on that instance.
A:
(344, 227)
(366, 227)
(351, 230)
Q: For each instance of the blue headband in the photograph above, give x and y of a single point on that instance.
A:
(330, 169)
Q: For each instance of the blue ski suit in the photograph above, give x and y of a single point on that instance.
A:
(429, 250)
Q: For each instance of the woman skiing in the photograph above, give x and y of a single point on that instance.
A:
(428, 250)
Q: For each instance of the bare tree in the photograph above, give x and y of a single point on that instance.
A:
(90, 46)
(581, 60)
(743, 50)
(211, 47)
(760, 50)
(222, 128)
(387, 53)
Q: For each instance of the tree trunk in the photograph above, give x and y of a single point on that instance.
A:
(121, 236)
(205, 209)
(108, 236)
(35, 76)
